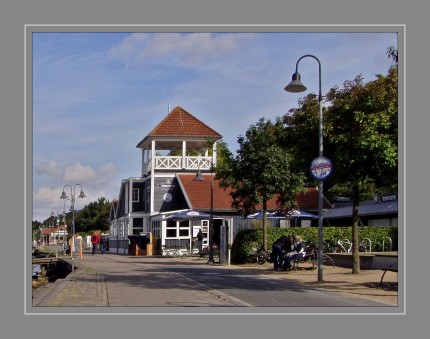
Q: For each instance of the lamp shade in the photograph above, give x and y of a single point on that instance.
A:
(199, 177)
(295, 86)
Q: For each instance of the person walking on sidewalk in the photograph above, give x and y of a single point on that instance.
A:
(103, 243)
(95, 239)
(200, 240)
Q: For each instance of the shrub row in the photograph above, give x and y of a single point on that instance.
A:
(247, 240)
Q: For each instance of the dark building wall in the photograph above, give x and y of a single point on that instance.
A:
(140, 205)
(168, 195)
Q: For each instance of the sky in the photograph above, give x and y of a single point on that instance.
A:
(95, 95)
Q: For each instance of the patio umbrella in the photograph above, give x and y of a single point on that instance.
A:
(301, 215)
(188, 215)
(298, 214)
(272, 215)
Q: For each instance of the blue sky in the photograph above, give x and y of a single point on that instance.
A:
(96, 95)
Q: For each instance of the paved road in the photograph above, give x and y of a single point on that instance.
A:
(121, 281)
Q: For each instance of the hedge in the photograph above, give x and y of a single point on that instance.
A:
(247, 240)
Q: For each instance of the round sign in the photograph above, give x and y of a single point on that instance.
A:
(321, 168)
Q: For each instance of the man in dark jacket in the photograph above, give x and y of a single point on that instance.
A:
(280, 247)
(103, 244)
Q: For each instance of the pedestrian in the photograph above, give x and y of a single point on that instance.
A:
(280, 246)
(95, 239)
(298, 252)
(103, 243)
(200, 240)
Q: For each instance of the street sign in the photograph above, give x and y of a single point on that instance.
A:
(321, 168)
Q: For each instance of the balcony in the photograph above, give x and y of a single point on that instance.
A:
(177, 163)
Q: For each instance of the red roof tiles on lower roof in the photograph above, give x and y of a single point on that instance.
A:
(198, 195)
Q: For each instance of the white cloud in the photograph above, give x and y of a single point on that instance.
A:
(96, 183)
(180, 48)
(79, 173)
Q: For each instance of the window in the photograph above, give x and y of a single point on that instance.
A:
(184, 229)
(171, 229)
(135, 195)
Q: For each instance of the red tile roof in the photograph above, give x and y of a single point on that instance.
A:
(179, 122)
(198, 195)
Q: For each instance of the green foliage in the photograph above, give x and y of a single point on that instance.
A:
(249, 239)
(35, 225)
(260, 170)
(94, 216)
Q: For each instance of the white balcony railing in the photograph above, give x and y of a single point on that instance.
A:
(177, 163)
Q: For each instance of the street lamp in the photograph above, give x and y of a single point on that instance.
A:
(296, 86)
(58, 228)
(64, 196)
(65, 233)
(199, 177)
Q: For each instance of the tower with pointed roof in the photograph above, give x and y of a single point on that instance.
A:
(179, 144)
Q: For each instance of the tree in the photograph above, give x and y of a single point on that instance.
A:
(300, 135)
(362, 131)
(94, 216)
(360, 138)
(260, 170)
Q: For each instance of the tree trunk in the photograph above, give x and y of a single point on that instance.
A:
(355, 252)
(264, 225)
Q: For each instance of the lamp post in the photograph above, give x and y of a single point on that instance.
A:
(65, 224)
(57, 230)
(199, 177)
(64, 196)
(296, 86)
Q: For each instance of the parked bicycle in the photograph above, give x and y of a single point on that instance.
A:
(263, 256)
(341, 246)
(345, 246)
(312, 254)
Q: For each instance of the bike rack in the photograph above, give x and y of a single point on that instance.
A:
(370, 243)
(383, 244)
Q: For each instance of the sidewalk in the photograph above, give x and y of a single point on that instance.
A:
(87, 285)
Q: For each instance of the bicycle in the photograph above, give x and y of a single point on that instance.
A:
(312, 254)
(345, 246)
(263, 255)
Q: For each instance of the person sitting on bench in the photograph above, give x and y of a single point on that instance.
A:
(297, 253)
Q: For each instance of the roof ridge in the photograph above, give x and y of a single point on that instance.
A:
(182, 114)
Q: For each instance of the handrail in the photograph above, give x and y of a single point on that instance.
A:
(383, 244)
(370, 243)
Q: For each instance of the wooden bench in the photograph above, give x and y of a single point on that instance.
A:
(391, 268)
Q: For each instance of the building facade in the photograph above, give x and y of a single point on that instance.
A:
(178, 148)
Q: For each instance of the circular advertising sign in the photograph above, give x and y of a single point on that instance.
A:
(321, 168)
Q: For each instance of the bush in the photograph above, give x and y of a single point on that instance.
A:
(249, 239)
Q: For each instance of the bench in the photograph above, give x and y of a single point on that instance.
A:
(308, 258)
(391, 268)
(313, 258)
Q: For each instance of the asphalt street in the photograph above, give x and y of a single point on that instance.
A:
(122, 283)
